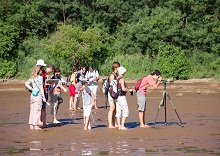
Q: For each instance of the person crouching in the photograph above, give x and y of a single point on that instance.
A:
(88, 101)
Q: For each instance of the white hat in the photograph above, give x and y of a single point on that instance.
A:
(121, 70)
(40, 63)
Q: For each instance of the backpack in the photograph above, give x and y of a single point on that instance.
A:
(105, 86)
(68, 82)
(138, 83)
(113, 89)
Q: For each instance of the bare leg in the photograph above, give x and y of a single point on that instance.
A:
(110, 116)
(89, 124)
(118, 122)
(141, 118)
(55, 119)
(75, 101)
(114, 121)
(86, 122)
(78, 100)
(71, 104)
(123, 123)
(95, 104)
(43, 117)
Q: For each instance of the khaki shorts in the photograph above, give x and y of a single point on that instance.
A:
(141, 101)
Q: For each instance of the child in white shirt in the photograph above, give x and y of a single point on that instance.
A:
(88, 100)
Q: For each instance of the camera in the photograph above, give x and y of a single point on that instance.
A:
(131, 92)
(168, 79)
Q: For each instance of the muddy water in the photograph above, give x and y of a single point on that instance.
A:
(197, 104)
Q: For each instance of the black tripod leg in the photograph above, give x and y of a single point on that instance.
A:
(174, 108)
(161, 104)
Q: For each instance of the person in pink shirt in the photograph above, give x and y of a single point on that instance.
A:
(154, 80)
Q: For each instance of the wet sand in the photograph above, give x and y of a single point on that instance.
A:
(197, 104)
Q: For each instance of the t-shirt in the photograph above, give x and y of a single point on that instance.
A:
(86, 95)
(91, 75)
(146, 82)
(37, 82)
(73, 78)
(79, 77)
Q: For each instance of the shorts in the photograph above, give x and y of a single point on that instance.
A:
(94, 89)
(141, 101)
(111, 101)
(73, 90)
(122, 107)
(87, 110)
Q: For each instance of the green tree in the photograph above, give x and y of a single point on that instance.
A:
(172, 61)
(71, 46)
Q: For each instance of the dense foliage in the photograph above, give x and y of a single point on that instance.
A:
(179, 37)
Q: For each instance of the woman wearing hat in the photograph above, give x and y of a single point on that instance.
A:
(121, 103)
(35, 84)
(154, 80)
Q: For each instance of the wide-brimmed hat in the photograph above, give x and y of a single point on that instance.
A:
(40, 63)
(121, 70)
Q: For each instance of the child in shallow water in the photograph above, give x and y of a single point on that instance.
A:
(88, 101)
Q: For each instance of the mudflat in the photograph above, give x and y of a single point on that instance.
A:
(196, 102)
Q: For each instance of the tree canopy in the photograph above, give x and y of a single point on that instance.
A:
(179, 37)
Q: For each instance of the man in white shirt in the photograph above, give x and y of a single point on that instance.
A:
(93, 76)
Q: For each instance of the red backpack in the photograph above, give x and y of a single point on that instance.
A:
(137, 86)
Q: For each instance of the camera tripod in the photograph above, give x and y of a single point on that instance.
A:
(164, 104)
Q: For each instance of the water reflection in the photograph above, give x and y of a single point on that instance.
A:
(35, 146)
(118, 148)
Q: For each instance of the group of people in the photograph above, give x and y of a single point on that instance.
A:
(45, 82)
(40, 89)
(84, 84)
(119, 111)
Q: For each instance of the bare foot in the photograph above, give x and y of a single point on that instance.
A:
(116, 125)
(31, 127)
(96, 108)
(144, 126)
(56, 122)
(37, 128)
(123, 128)
(111, 127)
(40, 123)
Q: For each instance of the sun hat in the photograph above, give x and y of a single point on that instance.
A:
(40, 63)
(121, 70)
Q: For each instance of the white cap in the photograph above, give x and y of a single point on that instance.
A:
(40, 63)
(121, 70)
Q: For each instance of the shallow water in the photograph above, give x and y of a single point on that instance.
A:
(198, 112)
